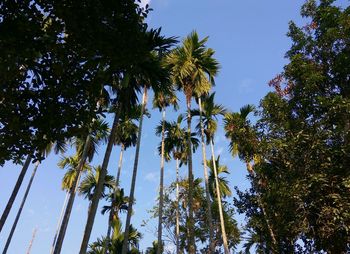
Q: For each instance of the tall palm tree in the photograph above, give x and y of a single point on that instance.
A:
(154, 75)
(243, 142)
(69, 183)
(133, 180)
(59, 148)
(206, 181)
(174, 146)
(86, 148)
(193, 69)
(145, 74)
(208, 125)
(161, 101)
(15, 191)
(126, 136)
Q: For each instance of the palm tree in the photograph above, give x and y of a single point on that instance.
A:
(174, 135)
(243, 142)
(154, 75)
(68, 184)
(126, 136)
(243, 139)
(193, 69)
(206, 181)
(15, 191)
(86, 148)
(115, 245)
(223, 184)
(208, 126)
(59, 148)
(88, 184)
(133, 181)
(161, 101)
(145, 74)
(118, 203)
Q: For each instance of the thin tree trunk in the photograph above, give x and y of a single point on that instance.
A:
(99, 188)
(160, 212)
(110, 217)
(133, 181)
(218, 196)
(14, 192)
(272, 235)
(72, 193)
(59, 222)
(191, 240)
(20, 208)
(268, 224)
(177, 209)
(117, 181)
(206, 181)
(32, 240)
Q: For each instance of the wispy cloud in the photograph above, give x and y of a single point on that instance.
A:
(30, 212)
(246, 85)
(79, 207)
(152, 177)
(219, 150)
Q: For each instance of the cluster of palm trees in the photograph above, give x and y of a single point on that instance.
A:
(190, 68)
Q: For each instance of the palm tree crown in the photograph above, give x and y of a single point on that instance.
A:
(193, 66)
(210, 113)
(224, 187)
(243, 138)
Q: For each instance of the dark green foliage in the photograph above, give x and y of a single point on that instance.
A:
(56, 59)
(302, 172)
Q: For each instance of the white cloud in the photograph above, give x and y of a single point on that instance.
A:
(152, 177)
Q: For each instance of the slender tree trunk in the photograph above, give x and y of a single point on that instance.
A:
(206, 181)
(72, 193)
(20, 208)
(32, 240)
(117, 181)
(99, 188)
(160, 212)
(262, 207)
(133, 181)
(59, 222)
(14, 192)
(110, 217)
(272, 235)
(218, 196)
(177, 209)
(191, 239)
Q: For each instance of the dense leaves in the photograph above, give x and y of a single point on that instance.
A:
(302, 138)
(56, 58)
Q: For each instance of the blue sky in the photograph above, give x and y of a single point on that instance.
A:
(249, 37)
